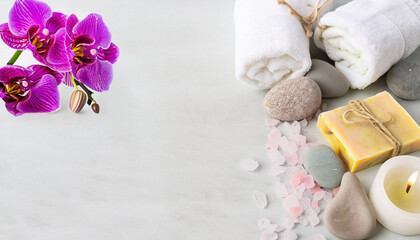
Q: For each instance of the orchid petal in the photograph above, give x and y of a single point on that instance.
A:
(26, 13)
(97, 76)
(36, 72)
(8, 73)
(94, 26)
(43, 97)
(56, 55)
(56, 22)
(70, 23)
(67, 79)
(11, 107)
(110, 54)
(11, 40)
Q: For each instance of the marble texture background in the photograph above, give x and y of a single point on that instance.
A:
(161, 160)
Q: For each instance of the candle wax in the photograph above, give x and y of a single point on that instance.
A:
(396, 187)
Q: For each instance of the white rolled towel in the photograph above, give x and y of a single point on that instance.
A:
(366, 37)
(271, 45)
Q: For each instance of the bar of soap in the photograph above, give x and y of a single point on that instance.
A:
(358, 143)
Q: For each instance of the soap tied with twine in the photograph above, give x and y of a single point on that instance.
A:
(361, 111)
(310, 19)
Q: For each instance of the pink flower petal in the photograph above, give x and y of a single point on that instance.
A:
(291, 201)
(311, 144)
(297, 179)
(249, 164)
(328, 197)
(276, 157)
(290, 235)
(272, 145)
(305, 203)
(292, 160)
(260, 199)
(263, 223)
(299, 140)
(303, 221)
(271, 228)
(309, 181)
(288, 147)
(295, 128)
(271, 122)
(314, 204)
(316, 188)
(296, 211)
(299, 190)
(277, 170)
(281, 190)
(314, 220)
(280, 229)
(335, 191)
(274, 134)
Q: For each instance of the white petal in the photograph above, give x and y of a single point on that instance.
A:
(290, 235)
(276, 157)
(249, 164)
(319, 237)
(277, 170)
(281, 190)
(260, 199)
(263, 223)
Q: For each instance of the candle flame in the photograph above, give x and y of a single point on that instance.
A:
(411, 181)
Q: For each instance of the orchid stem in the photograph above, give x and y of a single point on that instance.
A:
(74, 82)
(15, 57)
(88, 92)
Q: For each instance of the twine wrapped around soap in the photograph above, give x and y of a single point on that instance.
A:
(311, 18)
(358, 108)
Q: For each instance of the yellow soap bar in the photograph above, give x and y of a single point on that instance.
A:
(358, 143)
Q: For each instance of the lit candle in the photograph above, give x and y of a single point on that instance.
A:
(395, 195)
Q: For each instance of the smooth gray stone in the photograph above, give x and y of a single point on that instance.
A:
(293, 99)
(331, 81)
(350, 215)
(324, 165)
(404, 78)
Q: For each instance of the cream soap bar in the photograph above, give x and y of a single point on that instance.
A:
(368, 132)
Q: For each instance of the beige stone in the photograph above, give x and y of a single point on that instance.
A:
(350, 215)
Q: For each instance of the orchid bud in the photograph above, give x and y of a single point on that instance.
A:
(77, 101)
(95, 107)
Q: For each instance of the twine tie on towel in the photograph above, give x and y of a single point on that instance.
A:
(358, 108)
(311, 18)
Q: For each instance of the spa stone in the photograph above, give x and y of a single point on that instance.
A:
(404, 78)
(331, 81)
(350, 215)
(293, 99)
(324, 165)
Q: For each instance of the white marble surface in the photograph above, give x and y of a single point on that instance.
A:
(161, 160)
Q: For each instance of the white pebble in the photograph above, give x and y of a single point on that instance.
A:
(260, 199)
(249, 164)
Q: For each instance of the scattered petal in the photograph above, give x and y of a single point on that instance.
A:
(276, 157)
(290, 235)
(316, 189)
(263, 223)
(314, 204)
(309, 181)
(291, 201)
(288, 147)
(274, 236)
(260, 199)
(271, 122)
(303, 221)
(328, 197)
(303, 123)
(249, 164)
(335, 191)
(292, 160)
(272, 145)
(297, 179)
(274, 134)
(296, 211)
(318, 195)
(280, 229)
(317, 210)
(271, 228)
(281, 190)
(311, 144)
(305, 203)
(277, 170)
(295, 128)
(288, 223)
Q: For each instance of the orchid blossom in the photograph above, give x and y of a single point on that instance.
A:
(34, 89)
(91, 51)
(32, 25)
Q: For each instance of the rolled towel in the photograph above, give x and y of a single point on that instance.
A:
(270, 43)
(366, 37)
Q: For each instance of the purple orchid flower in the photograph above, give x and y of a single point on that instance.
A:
(34, 89)
(32, 25)
(91, 51)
